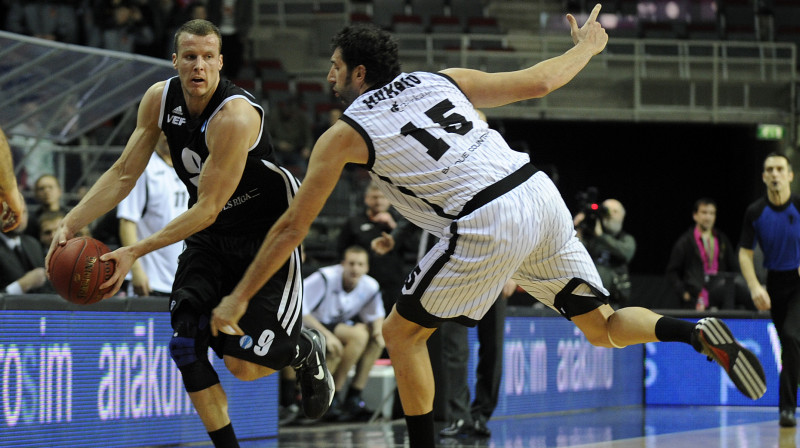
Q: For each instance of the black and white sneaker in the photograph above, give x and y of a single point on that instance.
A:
(316, 382)
(712, 338)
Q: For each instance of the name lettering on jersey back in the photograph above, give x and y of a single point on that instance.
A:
(176, 120)
(391, 90)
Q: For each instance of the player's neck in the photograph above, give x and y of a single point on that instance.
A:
(348, 286)
(197, 104)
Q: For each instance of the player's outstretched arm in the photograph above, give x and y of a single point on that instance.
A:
(498, 89)
(340, 145)
(120, 179)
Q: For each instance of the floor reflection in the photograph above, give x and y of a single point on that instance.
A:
(652, 427)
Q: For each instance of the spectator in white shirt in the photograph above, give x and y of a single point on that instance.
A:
(345, 304)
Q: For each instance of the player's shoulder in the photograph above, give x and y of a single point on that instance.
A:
(156, 91)
(370, 283)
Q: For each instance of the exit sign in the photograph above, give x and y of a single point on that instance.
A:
(770, 132)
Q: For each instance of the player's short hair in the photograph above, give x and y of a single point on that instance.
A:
(778, 154)
(197, 27)
(372, 47)
(355, 250)
(703, 201)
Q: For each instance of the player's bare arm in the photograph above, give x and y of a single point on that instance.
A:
(115, 184)
(10, 198)
(340, 145)
(230, 134)
(498, 89)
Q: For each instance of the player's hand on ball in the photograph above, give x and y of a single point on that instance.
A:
(60, 238)
(225, 317)
(123, 260)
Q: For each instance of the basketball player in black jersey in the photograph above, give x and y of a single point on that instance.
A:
(222, 152)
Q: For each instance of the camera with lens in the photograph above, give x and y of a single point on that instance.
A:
(592, 211)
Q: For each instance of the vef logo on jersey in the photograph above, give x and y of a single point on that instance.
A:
(245, 342)
(175, 118)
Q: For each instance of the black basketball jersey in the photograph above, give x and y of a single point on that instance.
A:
(264, 190)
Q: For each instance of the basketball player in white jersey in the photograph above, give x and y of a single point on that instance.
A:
(496, 216)
(157, 198)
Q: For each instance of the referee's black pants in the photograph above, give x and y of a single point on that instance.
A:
(784, 292)
(488, 372)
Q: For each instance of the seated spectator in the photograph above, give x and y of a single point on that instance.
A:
(45, 19)
(48, 222)
(158, 197)
(22, 262)
(388, 266)
(47, 192)
(126, 28)
(703, 267)
(344, 303)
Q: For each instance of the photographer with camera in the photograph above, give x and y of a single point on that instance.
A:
(611, 248)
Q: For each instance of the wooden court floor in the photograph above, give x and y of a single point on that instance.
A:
(640, 427)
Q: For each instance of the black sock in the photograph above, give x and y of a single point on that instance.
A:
(288, 391)
(420, 431)
(670, 329)
(353, 392)
(224, 437)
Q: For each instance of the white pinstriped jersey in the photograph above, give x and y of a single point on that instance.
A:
(428, 148)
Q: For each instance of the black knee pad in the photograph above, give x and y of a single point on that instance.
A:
(189, 350)
(571, 305)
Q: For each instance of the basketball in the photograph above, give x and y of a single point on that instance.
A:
(76, 271)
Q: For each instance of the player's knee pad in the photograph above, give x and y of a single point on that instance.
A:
(189, 350)
(197, 372)
(570, 305)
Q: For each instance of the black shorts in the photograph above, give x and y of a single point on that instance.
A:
(209, 268)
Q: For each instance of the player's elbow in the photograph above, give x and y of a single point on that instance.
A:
(205, 214)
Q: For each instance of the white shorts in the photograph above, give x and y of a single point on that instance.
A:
(526, 235)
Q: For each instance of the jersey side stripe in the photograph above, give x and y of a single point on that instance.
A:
(291, 301)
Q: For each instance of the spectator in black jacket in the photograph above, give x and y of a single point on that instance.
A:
(703, 268)
(388, 268)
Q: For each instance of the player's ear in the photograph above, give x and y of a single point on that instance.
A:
(360, 73)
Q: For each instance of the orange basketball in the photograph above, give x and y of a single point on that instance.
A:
(77, 272)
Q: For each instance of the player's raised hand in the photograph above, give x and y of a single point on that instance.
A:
(591, 33)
